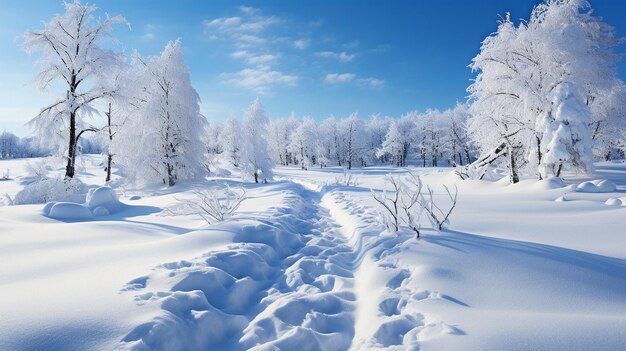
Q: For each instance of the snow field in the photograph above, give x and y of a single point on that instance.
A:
(305, 264)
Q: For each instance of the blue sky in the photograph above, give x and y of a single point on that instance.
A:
(309, 57)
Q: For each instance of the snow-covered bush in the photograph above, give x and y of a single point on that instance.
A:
(50, 189)
(438, 216)
(347, 179)
(213, 205)
(403, 206)
(407, 202)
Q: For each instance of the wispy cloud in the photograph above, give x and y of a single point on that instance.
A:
(251, 35)
(345, 78)
(338, 78)
(254, 59)
(250, 21)
(372, 83)
(260, 79)
(301, 43)
(341, 56)
(149, 32)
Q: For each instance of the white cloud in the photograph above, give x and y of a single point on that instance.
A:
(259, 79)
(148, 32)
(344, 78)
(341, 56)
(251, 22)
(254, 59)
(302, 43)
(337, 78)
(373, 83)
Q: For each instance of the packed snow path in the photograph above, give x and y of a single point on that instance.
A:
(288, 284)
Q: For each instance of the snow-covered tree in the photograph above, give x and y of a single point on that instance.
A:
(459, 144)
(608, 125)
(9, 145)
(255, 155)
(568, 143)
(280, 136)
(352, 130)
(521, 67)
(399, 139)
(163, 139)
(303, 142)
(230, 140)
(71, 54)
(377, 128)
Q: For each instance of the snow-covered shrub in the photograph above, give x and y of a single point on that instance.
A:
(407, 204)
(346, 180)
(403, 206)
(213, 205)
(437, 216)
(50, 189)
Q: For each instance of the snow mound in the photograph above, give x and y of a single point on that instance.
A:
(605, 186)
(616, 201)
(561, 199)
(550, 183)
(99, 196)
(100, 201)
(101, 211)
(596, 186)
(69, 210)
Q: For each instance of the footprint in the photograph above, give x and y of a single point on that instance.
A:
(391, 306)
(136, 284)
(398, 279)
(392, 332)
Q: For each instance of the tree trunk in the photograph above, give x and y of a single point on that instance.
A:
(109, 154)
(512, 165)
(109, 163)
(171, 177)
(71, 150)
(256, 177)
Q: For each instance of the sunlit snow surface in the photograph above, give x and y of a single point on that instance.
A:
(305, 264)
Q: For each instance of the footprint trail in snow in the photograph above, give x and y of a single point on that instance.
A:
(288, 282)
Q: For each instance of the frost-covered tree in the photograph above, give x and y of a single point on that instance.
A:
(399, 139)
(71, 53)
(303, 142)
(521, 67)
(376, 128)
(255, 155)
(459, 144)
(352, 130)
(230, 140)
(608, 125)
(280, 136)
(567, 138)
(163, 139)
(9, 145)
(120, 103)
(328, 140)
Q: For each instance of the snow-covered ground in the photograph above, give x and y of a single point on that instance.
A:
(306, 265)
